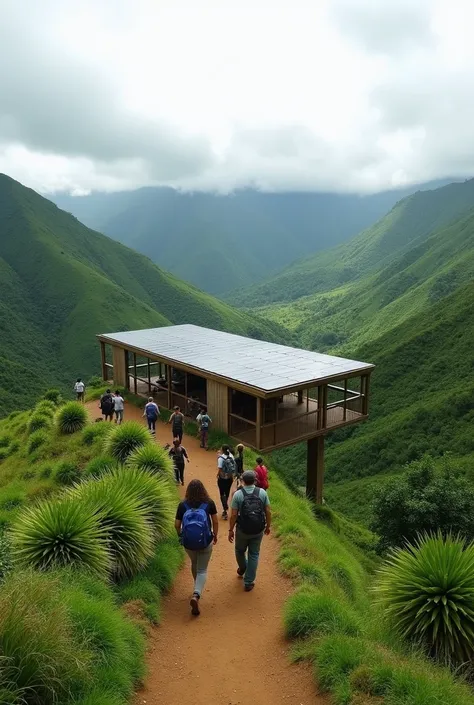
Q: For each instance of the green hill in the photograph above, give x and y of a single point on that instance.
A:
(62, 283)
(223, 242)
(408, 224)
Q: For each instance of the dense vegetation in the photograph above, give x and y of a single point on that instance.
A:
(62, 284)
(82, 565)
(222, 242)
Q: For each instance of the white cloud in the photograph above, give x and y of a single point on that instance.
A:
(336, 95)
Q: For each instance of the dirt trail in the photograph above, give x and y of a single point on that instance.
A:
(234, 653)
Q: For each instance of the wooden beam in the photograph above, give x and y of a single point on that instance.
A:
(325, 405)
(102, 361)
(258, 429)
(345, 400)
(315, 469)
(135, 386)
(149, 375)
(365, 381)
(168, 380)
(300, 396)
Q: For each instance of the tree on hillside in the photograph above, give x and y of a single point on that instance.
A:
(424, 499)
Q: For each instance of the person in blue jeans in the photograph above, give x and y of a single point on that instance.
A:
(252, 515)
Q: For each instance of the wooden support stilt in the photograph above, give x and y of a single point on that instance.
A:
(315, 469)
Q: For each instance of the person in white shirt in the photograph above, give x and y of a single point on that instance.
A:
(118, 407)
(79, 388)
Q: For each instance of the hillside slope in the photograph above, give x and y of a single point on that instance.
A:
(223, 242)
(409, 223)
(62, 283)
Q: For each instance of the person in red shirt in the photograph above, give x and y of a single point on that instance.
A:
(261, 475)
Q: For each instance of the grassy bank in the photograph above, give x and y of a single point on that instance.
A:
(67, 636)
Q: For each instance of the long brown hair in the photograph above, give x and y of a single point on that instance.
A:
(196, 492)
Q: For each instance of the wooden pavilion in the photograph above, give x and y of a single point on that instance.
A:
(264, 395)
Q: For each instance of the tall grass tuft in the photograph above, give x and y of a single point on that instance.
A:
(53, 395)
(72, 417)
(152, 459)
(45, 406)
(313, 612)
(95, 431)
(67, 473)
(60, 533)
(39, 420)
(125, 523)
(125, 439)
(427, 589)
(37, 439)
(100, 465)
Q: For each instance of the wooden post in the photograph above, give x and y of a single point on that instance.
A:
(365, 382)
(258, 428)
(325, 405)
(345, 400)
(127, 370)
(300, 396)
(315, 469)
(320, 407)
(135, 386)
(168, 379)
(102, 360)
(149, 375)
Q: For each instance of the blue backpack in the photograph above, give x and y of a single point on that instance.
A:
(195, 530)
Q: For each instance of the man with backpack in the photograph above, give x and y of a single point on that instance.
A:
(178, 453)
(197, 527)
(106, 405)
(152, 413)
(251, 512)
(177, 422)
(226, 470)
(204, 421)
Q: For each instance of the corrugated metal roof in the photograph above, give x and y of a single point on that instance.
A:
(256, 363)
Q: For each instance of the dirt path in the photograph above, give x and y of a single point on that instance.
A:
(234, 653)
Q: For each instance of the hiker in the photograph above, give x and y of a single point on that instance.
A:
(225, 477)
(118, 407)
(197, 527)
(152, 413)
(251, 512)
(106, 405)
(204, 423)
(261, 474)
(239, 464)
(177, 421)
(178, 453)
(79, 388)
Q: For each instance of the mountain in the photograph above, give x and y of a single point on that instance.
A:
(224, 242)
(413, 318)
(409, 222)
(61, 284)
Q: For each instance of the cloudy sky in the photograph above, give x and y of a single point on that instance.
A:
(346, 95)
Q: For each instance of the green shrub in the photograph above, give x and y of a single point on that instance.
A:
(37, 439)
(154, 494)
(14, 447)
(125, 439)
(140, 588)
(38, 420)
(337, 656)
(4, 453)
(100, 465)
(95, 382)
(46, 407)
(99, 696)
(343, 577)
(125, 523)
(53, 395)
(5, 556)
(42, 661)
(67, 473)
(94, 431)
(423, 500)
(311, 612)
(166, 561)
(151, 458)
(427, 589)
(5, 440)
(45, 471)
(72, 417)
(60, 533)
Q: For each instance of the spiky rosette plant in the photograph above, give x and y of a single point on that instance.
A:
(60, 533)
(155, 496)
(152, 459)
(46, 407)
(39, 420)
(72, 417)
(125, 439)
(128, 530)
(427, 590)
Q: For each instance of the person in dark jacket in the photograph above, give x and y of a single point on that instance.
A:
(106, 405)
(178, 453)
(177, 423)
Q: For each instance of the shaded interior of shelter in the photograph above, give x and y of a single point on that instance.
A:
(260, 423)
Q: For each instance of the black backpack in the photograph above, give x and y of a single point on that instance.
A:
(252, 518)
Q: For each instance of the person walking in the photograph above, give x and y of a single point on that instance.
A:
(197, 527)
(152, 413)
(106, 405)
(261, 474)
(118, 407)
(225, 477)
(252, 515)
(239, 464)
(177, 422)
(178, 453)
(204, 423)
(79, 388)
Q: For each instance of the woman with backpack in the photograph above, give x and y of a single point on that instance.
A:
(197, 527)
(178, 454)
(226, 470)
(152, 413)
(177, 422)
(106, 405)
(261, 475)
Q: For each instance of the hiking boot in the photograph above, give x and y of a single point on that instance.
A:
(239, 573)
(194, 602)
(182, 484)
(249, 588)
